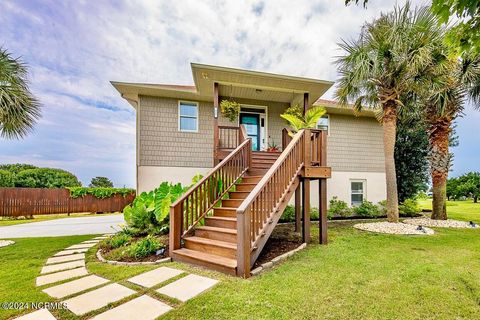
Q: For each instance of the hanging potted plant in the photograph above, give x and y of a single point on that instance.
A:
(230, 109)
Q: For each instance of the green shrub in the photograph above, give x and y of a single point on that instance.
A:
(100, 193)
(338, 208)
(116, 241)
(409, 208)
(6, 179)
(366, 209)
(16, 167)
(149, 212)
(144, 247)
(288, 215)
(46, 178)
(382, 207)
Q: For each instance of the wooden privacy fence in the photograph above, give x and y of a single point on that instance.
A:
(16, 202)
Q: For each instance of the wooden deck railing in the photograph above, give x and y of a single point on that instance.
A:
(199, 200)
(228, 137)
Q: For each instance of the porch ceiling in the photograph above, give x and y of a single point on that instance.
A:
(256, 85)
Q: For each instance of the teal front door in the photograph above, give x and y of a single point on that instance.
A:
(252, 125)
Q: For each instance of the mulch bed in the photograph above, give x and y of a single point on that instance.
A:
(282, 240)
(110, 254)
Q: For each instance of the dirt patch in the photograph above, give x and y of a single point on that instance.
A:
(282, 240)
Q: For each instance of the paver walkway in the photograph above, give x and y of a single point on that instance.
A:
(84, 293)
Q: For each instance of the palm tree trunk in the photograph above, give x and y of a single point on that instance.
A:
(389, 138)
(439, 165)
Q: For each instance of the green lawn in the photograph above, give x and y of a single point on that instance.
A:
(10, 222)
(459, 210)
(358, 275)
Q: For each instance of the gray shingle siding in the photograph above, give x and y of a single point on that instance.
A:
(354, 144)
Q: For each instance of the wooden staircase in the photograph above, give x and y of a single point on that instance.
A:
(214, 245)
(224, 221)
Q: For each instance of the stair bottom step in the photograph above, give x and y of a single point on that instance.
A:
(211, 261)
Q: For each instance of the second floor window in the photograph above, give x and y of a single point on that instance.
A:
(188, 116)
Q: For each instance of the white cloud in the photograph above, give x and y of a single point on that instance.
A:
(75, 48)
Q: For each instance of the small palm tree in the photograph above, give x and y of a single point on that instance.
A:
(450, 82)
(379, 69)
(308, 121)
(19, 110)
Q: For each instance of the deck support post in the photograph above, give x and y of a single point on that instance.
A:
(298, 212)
(322, 210)
(215, 123)
(306, 210)
(322, 197)
(305, 102)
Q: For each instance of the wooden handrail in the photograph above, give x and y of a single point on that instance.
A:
(192, 207)
(254, 214)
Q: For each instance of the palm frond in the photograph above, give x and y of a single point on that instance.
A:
(19, 109)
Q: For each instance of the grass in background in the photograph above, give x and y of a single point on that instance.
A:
(459, 210)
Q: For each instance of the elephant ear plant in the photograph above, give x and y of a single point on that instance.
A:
(148, 213)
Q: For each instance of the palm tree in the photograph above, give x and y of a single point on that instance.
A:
(450, 82)
(308, 121)
(19, 110)
(378, 69)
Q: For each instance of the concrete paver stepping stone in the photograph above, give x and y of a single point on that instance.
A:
(72, 257)
(98, 298)
(100, 238)
(63, 266)
(73, 251)
(91, 241)
(60, 276)
(42, 314)
(66, 289)
(187, 287)
(154, 277)
(143, 307)
(81, 246)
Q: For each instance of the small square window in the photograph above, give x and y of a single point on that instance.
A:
(188, 116)
(357, 192)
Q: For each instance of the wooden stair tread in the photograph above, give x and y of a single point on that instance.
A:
(212, 242)
(207, 257)
(217, 229)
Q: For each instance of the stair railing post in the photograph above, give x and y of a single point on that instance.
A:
(175, 228)
(243, 243)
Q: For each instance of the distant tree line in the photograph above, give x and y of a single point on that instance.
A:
(465, 186)
(29, 176)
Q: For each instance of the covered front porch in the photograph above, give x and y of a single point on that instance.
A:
(262, 98)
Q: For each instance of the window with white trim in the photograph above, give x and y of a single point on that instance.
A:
(357, 191)
(324, 123)
(188, 116)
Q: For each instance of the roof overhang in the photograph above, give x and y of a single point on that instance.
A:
(232, 82)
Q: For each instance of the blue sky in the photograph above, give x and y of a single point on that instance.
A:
(74, 48)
